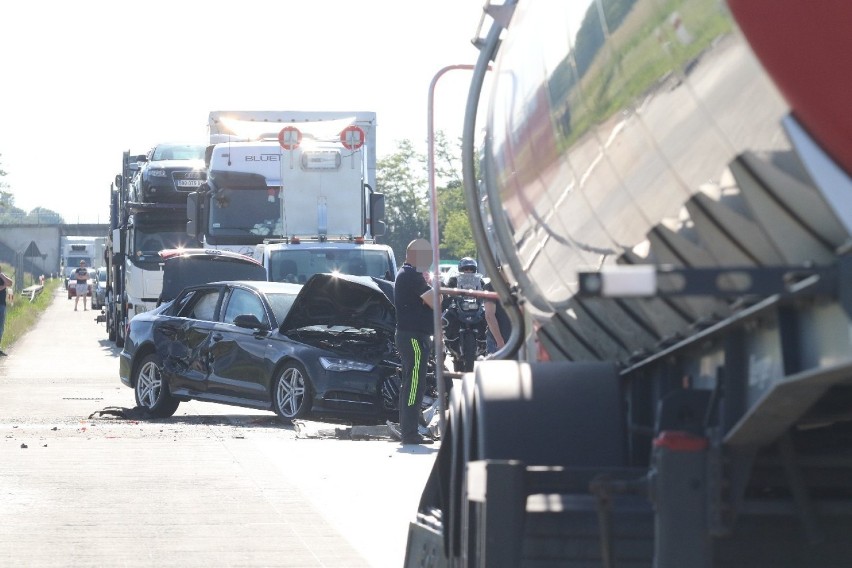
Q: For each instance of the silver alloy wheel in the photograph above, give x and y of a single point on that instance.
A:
(149, 384)
(290, 392)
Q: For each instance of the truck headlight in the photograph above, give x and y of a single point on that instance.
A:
(334, 364)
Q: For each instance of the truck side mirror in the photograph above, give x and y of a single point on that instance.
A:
(377, 214)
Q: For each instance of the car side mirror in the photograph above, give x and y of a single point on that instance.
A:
(249, 321)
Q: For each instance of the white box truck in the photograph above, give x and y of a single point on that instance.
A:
(295, 181)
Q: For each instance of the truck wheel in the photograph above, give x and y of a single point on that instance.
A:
(119, 332)
(540, 414)
(291, 392)
(110, 323)
(152, 392)
(552, 401)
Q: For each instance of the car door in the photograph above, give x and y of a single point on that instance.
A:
(187, 339)
(238, 363)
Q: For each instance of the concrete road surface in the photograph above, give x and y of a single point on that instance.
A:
(86, 482)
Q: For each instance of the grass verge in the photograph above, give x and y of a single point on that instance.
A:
(22, 314)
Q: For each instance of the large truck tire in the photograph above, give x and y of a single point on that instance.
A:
(562, 414)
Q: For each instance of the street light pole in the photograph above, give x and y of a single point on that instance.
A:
(433, 231)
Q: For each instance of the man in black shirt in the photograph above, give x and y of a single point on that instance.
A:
(81, 276)
(414, 329)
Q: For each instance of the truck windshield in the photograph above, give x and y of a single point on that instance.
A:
(151, 240)
(297, 265)
(178, 152)
(240, 216)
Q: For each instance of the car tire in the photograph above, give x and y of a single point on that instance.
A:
(291, 392)
(152, 392)
(468, 348)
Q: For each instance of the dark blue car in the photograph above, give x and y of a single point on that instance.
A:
(322, 348)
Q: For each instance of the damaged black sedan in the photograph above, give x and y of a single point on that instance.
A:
(322, 348)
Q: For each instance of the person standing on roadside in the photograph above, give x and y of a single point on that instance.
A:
(414, 328)
(82, 277)
(5, 282)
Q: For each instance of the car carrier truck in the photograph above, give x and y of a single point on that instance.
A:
(138, 232)
(666, 187)
(296, 190)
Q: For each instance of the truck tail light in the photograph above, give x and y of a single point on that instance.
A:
(678, 441)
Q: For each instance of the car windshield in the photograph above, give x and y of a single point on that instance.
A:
(178, 152)
(280, 303)
(153, 239)
(297, 266)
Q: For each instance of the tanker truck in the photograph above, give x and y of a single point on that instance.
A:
(665, 186)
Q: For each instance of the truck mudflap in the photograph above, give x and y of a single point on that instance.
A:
(425, 547)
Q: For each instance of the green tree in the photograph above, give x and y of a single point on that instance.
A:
(6, 198)
(404, 179)
(9, 214)
(401, 178)
(457, 235)
(453, 221)
(44, 216)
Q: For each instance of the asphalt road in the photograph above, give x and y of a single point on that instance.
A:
(85, 482)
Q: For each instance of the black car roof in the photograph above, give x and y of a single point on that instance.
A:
(191, 267)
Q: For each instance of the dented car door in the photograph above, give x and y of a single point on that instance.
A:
(238, 362)
(187, 339)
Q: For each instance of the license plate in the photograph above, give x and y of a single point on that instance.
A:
(188, 183)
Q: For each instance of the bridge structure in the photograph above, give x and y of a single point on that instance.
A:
(35, 248)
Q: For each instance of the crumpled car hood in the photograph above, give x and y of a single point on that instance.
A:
(341, 300)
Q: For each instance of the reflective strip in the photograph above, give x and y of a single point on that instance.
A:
(412, 393)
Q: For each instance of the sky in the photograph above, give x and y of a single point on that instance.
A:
(81, 82)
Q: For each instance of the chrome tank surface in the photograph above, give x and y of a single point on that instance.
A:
(610, 129)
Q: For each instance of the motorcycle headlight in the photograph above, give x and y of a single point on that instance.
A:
(334, 364)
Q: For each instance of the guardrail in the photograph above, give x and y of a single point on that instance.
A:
(32, 292)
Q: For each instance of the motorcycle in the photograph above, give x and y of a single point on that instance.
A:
(464, 324)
